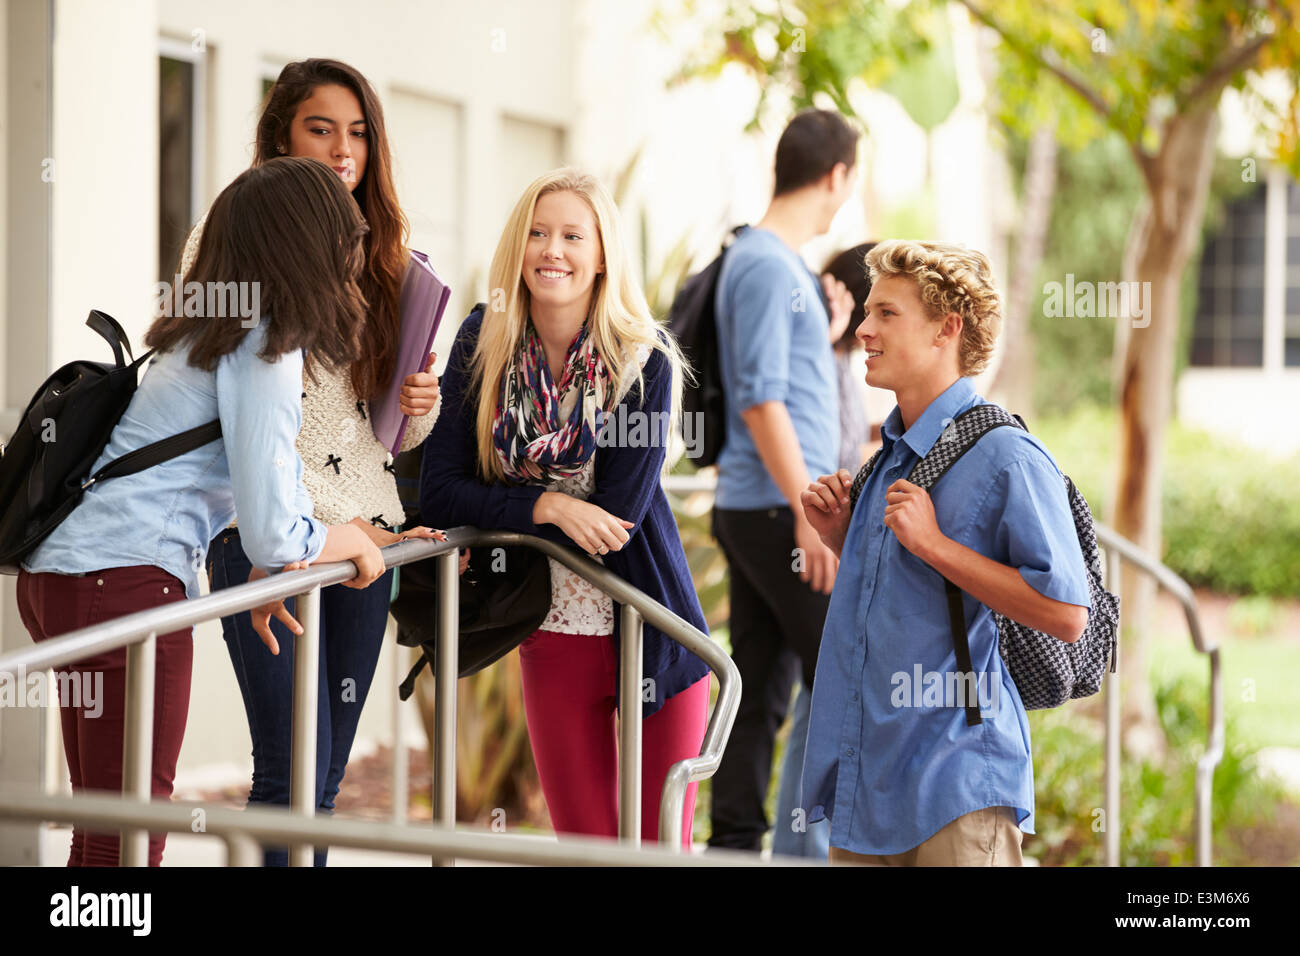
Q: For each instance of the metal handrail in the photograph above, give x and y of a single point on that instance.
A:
(138, 633)
(1117, 548)
(243, 831)
(1120, 548)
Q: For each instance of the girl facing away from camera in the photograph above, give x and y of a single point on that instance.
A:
(567, 340)
(326, 110)
(138, 541)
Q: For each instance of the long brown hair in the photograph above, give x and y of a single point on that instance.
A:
(289, 226)
(385, 246)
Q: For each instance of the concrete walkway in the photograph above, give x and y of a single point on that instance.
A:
(185, 849)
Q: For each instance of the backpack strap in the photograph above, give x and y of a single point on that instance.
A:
(157, 452)
(860, 481)
(112, 333)
(961, 646)
(958, 438)
(407, 687)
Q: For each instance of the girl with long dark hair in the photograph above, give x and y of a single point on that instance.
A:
(327, 110)
(138, 541)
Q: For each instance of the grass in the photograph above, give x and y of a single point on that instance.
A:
(1260, 675)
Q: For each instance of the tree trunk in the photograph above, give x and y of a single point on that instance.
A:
(1014, 382)
(1162, 239)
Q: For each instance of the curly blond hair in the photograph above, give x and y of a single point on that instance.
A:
(950, 278)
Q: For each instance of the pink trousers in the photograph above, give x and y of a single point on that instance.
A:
(569, 682)
(53, 604)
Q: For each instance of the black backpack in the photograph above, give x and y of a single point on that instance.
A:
(1047, 671)
(693, 321)
(45, 468)
(504, 596)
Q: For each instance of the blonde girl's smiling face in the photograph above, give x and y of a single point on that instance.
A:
(563, 254)
(330, 125)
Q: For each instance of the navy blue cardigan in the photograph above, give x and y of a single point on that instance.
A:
(627, 486)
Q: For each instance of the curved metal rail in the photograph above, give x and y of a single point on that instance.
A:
(137, 633)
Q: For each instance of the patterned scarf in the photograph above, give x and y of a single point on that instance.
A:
(544, 431)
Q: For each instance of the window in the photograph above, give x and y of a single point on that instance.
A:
(1229, 326)
(180, 148)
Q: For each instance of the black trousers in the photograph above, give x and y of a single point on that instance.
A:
(776, 628)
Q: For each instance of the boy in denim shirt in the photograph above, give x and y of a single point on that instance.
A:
(890, 761)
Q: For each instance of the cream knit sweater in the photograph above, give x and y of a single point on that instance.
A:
(345, 468)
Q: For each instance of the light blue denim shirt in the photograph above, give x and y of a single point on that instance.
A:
(773, 345)
(165, 515)
(890, 760)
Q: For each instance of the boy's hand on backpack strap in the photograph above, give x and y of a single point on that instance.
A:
(909, 513)
(825, 504)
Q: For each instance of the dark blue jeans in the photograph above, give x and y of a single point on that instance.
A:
(352, 624)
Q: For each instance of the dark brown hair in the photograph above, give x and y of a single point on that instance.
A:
(811, 146)
(386, 255)
(850, 267)
(290, 226)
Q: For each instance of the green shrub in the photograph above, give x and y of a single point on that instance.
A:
(1157, 801)
(1231, 516)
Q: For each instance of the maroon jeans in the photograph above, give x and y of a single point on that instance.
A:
(54, 604)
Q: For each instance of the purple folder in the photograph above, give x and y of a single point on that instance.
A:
(424, 299)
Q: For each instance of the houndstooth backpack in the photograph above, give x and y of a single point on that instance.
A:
(1047, 671)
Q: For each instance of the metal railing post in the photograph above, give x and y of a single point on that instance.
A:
(444, 702)
(400, 761)
(242, 850)
(1206, 764)
(306, 704)
(629, 727)
(1113, 732)
(137, 742)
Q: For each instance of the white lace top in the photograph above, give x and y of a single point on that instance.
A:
(577, 606)
(346, 470)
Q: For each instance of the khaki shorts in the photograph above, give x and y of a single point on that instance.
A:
(988, 837)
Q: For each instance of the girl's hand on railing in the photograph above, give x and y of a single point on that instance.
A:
(262, 614)
(591, 527)
(351, 542)
(383, 538)
(369, 562)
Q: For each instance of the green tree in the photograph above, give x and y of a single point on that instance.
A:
(1152, 71)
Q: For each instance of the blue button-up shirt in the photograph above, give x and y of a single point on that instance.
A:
(165, 515)
(773, 345)
(890, 758)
